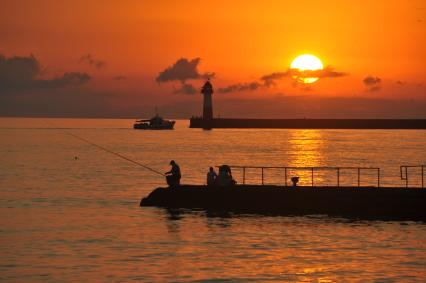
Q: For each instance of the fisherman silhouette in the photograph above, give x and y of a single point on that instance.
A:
(173, 176)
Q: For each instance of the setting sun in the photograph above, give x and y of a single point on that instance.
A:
(306, 62)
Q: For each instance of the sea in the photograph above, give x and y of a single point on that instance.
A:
(70, 210)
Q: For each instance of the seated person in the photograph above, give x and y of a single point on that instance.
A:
(224, 178)
(211, 177)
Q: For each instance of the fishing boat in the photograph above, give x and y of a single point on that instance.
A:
(155, 123)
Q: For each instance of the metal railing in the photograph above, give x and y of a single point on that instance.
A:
(404, 169)
(312, 170)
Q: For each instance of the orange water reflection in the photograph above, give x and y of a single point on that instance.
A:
(307, 150)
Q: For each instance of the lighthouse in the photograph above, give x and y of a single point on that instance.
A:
(207, 91)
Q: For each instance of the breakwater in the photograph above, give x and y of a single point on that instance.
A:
(309, 123)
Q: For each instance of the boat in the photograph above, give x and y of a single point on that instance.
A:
(155, 123)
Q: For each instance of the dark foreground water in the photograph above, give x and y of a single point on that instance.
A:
(78, 219)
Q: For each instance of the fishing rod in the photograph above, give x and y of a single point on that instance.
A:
(114, 153)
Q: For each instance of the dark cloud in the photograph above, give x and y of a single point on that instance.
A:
(20, 74)
(327, 72)
(89, 59)
(183, 70)
(372, 83)
(273, 78)
(240, 87)
(186, 89)
(67, 79)
(18, 71)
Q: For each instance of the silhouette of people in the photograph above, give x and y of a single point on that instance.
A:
(224, 178)
(173, 176)
(211, 177)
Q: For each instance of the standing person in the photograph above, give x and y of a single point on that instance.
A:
(211, 177)
(173, 176)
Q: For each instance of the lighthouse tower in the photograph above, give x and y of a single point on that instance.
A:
(207, 91)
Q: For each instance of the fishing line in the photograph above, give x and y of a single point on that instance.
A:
(114, 153)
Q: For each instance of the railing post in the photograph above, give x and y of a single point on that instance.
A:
(338, 177)
(262, 175)
(312, 176)
(359, 172)
(285, 175)
(406, 177)
(378, 177)
(244, 175)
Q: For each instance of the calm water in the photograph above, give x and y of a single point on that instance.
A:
(67, 219)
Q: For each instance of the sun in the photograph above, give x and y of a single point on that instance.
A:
(303, 65)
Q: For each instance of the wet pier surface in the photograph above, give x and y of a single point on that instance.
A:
(351, 202)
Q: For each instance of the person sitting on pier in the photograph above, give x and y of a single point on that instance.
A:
(224, 178)
(211, 177)
(173, 176)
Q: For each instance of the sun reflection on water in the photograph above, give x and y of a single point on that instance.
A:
(306, 147)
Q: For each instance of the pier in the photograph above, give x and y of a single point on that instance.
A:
(356, 202)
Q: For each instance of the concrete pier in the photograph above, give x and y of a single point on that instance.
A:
(350, 202)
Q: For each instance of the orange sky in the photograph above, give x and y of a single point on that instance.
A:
(240, 41)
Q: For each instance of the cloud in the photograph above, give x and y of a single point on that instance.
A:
(183, 70)
(89, 59)
(20, 74)
(272, 79)
(372, 83)
(186, 89)
(67, 79)
(327, 72)
(240, 87)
